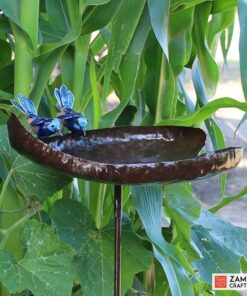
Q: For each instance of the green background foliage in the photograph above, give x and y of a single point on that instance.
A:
(56, 234)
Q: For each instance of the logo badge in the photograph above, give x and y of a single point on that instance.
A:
(229, 281)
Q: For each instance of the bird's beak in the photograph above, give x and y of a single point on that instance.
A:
(60, 133)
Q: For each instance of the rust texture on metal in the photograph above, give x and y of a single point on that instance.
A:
(126, 155)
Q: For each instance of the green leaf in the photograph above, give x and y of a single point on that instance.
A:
(219, 23)
(159, 14)
(184, 4)
(28, 176)
(5, 96)
(11, 9)
(231, 236)
(123, 28)
(44, 65)
(30, 21)
(46, 265)
(128, 69)
(94, 262)
(214, 131)
(6, 53)
(7, 78)
(221, 244)
(208, 66)
(242, 14)
(180, 41)
(58, 14)
(148, 201)
(96, 95)
(183, 209)
(225, 41)
(205, 112)
(94, 2)
(99, 16)
(216, 257)
(159, 84)
(229, 199)
(221, 6)
(3, 117)
(61, 25)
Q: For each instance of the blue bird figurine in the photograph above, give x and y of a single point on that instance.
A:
(75, 122)
(43, 127)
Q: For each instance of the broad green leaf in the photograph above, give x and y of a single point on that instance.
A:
(128, 69)
(161, 285)
(94, 262)
(6, 53)
(183, 209)
(24, 54)
(159, 84)
(242, 14)
(219, 23)
(127, 116)
(232, 237)
(5, 96)
(29, 177)
(46, 265)
(184, 4)
(205, 112)
(148, 201)
(98, 17)
(61, 25)
(44, 65)
(58, 14)
(7, 78)
(123, 28)
(11, 9)
(221, 243)
(180, 41)
(9, 216)
(216, 257)
(30, 21)
(177, 278)
(208, 66)
(67, 67)
(81, 47)
(4, 24)
(159, 15)
(222, 6)
(3, 117)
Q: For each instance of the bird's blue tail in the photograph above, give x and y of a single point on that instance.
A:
(26, 106)
(64, 97)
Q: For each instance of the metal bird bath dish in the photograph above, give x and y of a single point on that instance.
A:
(126, 155)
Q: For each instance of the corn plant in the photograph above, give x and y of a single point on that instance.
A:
(56, 234)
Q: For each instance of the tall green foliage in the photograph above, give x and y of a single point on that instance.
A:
(52, 231)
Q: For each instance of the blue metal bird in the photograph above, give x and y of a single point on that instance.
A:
(42, 126)
(75, 122)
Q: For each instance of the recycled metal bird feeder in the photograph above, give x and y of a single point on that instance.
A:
(126, 155)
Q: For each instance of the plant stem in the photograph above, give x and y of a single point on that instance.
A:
(7, 232)
(5, 186)
(23, 62)
(99, 204)
(96, 95)
(30, 21)
(81, 46)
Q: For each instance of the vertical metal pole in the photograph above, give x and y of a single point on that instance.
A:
(118, 233)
